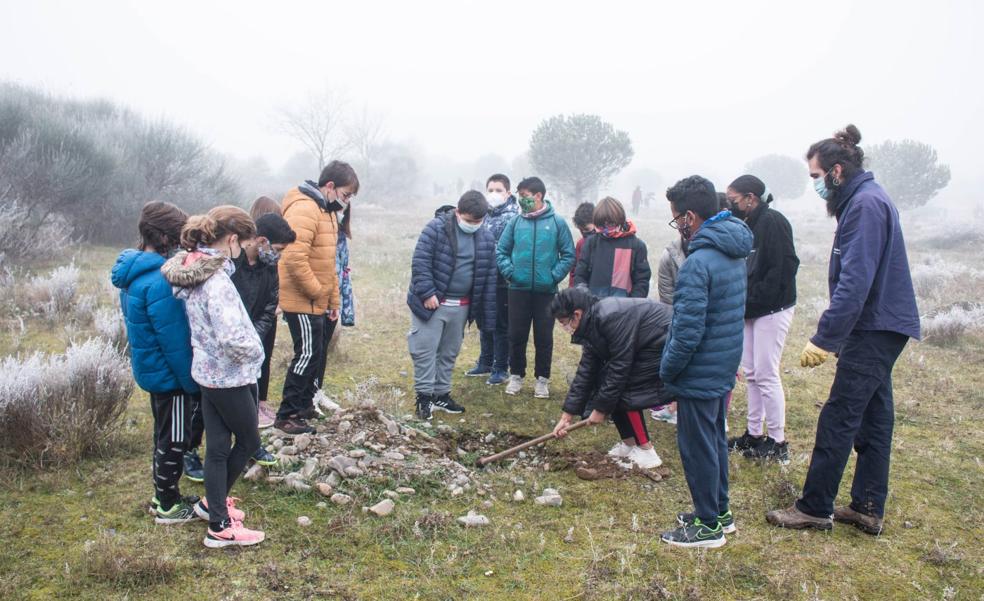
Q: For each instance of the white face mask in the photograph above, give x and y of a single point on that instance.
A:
(469, 228)
(495, 198)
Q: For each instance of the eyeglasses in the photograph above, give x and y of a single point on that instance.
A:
(346, 195)
(675, 222)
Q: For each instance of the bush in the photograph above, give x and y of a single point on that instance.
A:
(947, 326)
(53, 295)
(60, 408)
(127, 562)
(19, 236)
(109, 325)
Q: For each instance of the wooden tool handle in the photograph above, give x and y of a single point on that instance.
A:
(529, 443)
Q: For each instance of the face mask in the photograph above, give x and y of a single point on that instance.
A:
(570, 327)
(820, 185)
(526, 203)
(496, 198)
(239, 251)
(737, 212)
(686, 232)
(269, 256)
(469, 228)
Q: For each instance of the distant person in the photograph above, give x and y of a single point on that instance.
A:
(535, 253)
(582, 219)
(226, 361)
(613, 262)
(309, 291)
(494, 357)
(622, 341)
(769, 307)
(636, 200)
(871, 316)
(452, 283)
(703, 352)
(160, 355)
(257, 282)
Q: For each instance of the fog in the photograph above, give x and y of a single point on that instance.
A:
(702, 87)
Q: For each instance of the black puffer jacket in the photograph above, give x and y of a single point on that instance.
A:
(259, 287)
(772, 264)
(622, 340)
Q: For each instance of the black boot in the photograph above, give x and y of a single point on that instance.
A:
(424, 402)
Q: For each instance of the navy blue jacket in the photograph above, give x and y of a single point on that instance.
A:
(869, 279)
(156, 324)
(702, 355)
(433, 265)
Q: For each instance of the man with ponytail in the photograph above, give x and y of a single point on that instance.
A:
(870, 318)
(227, 358)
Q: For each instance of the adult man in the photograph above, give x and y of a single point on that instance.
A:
(871, 316)
(452, 283)
(309, 284)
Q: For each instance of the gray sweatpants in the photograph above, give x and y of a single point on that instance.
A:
(434, 347)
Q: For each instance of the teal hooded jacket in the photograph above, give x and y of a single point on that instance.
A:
(535, 254)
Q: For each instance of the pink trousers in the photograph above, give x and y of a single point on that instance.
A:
(761, 356)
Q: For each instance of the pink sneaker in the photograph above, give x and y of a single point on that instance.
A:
(265, 415)
(235, 514)
(234, 535)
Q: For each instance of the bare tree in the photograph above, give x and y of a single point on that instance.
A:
(365, 134)
(317, 122)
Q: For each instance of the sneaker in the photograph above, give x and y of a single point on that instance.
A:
(646, 459)
(541, 389)
(264, 457)
(479, 370)
(797, 520)
(424, 402)
(862, 521)
(515, 384)
(233, 534)
(444, 402)
(201, 509)
(193, 468)
(497, 377)
(663, 414)
(769, 450)
(696, 534)
(265, 416)
(293, 426)
(744, 442)
(154, 504)
(179, 513)
(620, 450)
(726, 519)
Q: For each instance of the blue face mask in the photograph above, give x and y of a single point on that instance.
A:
(469, 228)
(820, 185)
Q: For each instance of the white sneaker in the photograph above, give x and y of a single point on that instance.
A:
(515, 385)
(620, 450)
(645, 459)
(542, 388)
(664, 415)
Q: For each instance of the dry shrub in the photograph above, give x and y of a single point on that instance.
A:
(53, 295)
(60, 408)
(116, 561)
(109, 325)
(947, 326)
(20, 235)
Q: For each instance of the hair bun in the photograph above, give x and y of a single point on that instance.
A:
(850, 135)
(198, 231)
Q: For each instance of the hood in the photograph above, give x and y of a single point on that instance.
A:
(725, 233)
(187, 270)
(306, 191)
(546, 211)
(133, 263)
(629, 229)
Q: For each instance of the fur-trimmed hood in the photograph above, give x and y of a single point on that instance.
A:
(187, 270)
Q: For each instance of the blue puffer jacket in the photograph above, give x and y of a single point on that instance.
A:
(536, 254)
(704, 349)
(156, 324)
(433, 265)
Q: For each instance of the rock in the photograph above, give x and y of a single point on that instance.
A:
(549, 492)
(278, 443)
(303, 521)
(353, 472)
(457, 491)
(908, 524)
(321, 505)
(302, 442)
(310, 468)
(383, 508)
(393, 456)
(341, 499)
(489, 573)
(486, 504)
(324, 488)
(406, 490)
(518, 496)
(570, 535)
(489, 437)
(334, 479)
(288, 450)
(392, 428)
(344, 426)
(521, 454)
(461, 480)
(473, 520)
(256, 473)
(340, 463)
(357, 453)
(359, 438)
(391, 494)
(445, 429)
(298, 485)
(549, 500)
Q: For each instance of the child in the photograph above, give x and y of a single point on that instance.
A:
(582, 219)
(226, 361)
(702, 355)
(614, 261)
(622, 341)
(262, 206)
(160, 351)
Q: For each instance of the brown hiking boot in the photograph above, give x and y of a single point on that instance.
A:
(863, 522)
(796, 519)
(293, 426)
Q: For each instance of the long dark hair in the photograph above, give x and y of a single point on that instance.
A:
(345, 224)
(160, 226)
(749, 184)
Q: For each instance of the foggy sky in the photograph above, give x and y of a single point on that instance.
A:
(699, 86)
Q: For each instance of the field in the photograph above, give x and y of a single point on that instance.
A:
(82, 531)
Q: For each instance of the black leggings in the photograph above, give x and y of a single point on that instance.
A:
(526, 308)
(227, 412)
(631, 424)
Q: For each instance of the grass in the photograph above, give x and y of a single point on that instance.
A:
(82, 532)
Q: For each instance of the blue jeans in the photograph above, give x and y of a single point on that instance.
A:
(704, 454)
(495, 344)
(859, 412)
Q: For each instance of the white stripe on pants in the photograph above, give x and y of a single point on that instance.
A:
(761, 358)
(304, 321)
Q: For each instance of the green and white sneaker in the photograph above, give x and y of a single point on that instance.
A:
(726, 519)
(696, 534)
(179, 513)
(154, 504)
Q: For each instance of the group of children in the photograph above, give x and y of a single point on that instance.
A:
(201, 298)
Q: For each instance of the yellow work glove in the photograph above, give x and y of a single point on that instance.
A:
(813, 356)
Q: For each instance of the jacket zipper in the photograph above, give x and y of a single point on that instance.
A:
(533, 258)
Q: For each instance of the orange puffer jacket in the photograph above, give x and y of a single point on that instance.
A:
(308, 280)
